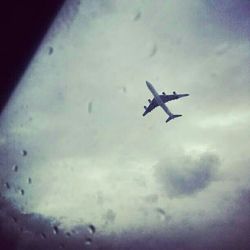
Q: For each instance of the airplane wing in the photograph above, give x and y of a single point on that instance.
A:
(166, 98)
(153, 104)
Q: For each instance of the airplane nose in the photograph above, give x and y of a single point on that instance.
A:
(149, 84)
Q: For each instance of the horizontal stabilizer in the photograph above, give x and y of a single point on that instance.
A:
(172, 117)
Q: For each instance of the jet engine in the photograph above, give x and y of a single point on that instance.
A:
(149, 101)
(145, 107)
(163, 93)
(174, 93)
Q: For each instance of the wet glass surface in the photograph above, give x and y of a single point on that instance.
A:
(82, 169)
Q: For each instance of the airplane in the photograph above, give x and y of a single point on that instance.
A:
(160, 100)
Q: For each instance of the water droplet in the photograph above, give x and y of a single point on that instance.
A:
(43, 235)
(161, 214)
(55, 230)
(29, 180)
(109, 217)
(14, 219)
(88, 242)
(137, 16)
(15, 168)
(124, 89)
(7, 185)
(24, 152)
(90, 106)
(68, 234)
(22, 192)
(91, 229)
(50, 50)
(153, 51)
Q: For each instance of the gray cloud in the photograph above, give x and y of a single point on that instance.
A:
(30, 231)
(186, 176)
(20, 231)
(233, 16)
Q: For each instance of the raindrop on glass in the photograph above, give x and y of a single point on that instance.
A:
(14, 219)
(55, 230)
(7, 185)
(109, 216)
(29, 180)
(68, 234)
(161, 214)
(137, 16)
(15, 168)
(22, 192)
(88, 242)
(153, 51)
(43, 235)
(50, 50)
(91, 229)
(90, 106)
(24, 152)
(124, 89)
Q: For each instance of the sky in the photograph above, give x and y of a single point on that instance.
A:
(76, 150)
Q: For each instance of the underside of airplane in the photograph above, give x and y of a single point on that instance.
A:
(160, 100)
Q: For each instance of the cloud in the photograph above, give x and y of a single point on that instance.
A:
(31, 231)
(186, 176)
(232, 15)
(19, 231)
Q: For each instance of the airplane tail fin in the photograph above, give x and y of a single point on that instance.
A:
(172, 117)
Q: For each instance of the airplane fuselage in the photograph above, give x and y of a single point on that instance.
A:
(158, 99)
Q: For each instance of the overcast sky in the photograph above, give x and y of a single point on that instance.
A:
(93, 158)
